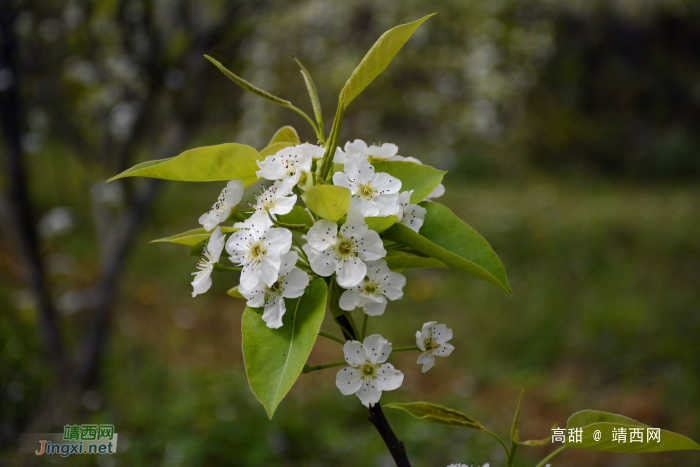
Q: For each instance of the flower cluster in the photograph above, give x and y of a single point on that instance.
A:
(278, 260)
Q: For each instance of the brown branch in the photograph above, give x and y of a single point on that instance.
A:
(22, 212)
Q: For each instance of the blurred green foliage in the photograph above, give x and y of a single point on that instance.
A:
(570, 131)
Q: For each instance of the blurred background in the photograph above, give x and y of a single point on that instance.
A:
(570, 130)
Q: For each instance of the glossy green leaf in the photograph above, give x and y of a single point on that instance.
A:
(192, 237)
(233, 292)
(446, 238)
(196, 250)
(380, 224)
(286, 134)
(438, 414)
(274, 358)
(591, 421)
(313, 94)
(411, 262)
(377, 59)
(298, 215)
(422, 179)
(328, 201)
(206, 164)
(273, 148)
(246, 85)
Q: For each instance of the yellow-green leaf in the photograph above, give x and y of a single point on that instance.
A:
(328, 201)
(380, 224)
(286, 134)
(206, 164)
(246, 85)
(233, 292)
(422, 179)
(191, 237)
(438, 414)
(273, 148)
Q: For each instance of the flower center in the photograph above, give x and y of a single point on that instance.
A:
(430, 344)
(366, 191)
(368, 370)
(274, 290)
(257, 251)
(345, 248)
(370, 287)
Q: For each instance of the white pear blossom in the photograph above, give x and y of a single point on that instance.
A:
(277, 199)
(466, 465)
(386, 151)
(286, 163)
(372, 194)
(368, 375)
(312, 150)
(343, 252)
(290, 283)
(229, 197)
(371, 294)
(410, 215)
(258, 251)
(432, 340)
(210, 256)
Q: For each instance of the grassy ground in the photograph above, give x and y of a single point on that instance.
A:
(604, 316)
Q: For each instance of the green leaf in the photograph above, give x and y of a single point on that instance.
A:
(196, 250)
(437, 414)
(377, 59)
(315, 102)
(192, 237)
(298, 215)
(206, 164)
(273, 148)
(274, 358)
(380, 224)
(446, 238)
(286, 134)
(591, 420)
(246, 85)
(233, 292)
(409, 261)
(423, 179)
(328, 201)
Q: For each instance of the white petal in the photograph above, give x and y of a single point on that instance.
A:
(354, 353)
(444, 350)
(369, 393)
(310, 150)
(355, 224)
(375, 308)
(356, 147)
(288, 261)
(323, 235)
(268, 269)
(234, 192)
(284, 205)
(370, 246)
(249, 278)
(388, 205)
(202, 281)
(437, 192)
(260, 219)
(322, 263)
(413, 217)
(348, 380)
(389, 378)
(368, 208)
(383, 151)
(216, 245)
(350, 300)
(339, 157)
(255, 296)
(420, 341)
(386, 184)
(426, 360)
(211, 219)
(340, 179)
(350, 272)
(273, 313)
(377, 348)
(392, 285)
(270, 170)
(441, 333)
(295, 283)
(358, 168)
(278, 241)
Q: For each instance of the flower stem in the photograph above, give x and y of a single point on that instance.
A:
(221, 267)
(287, 226)
(549, 457)
(401, 349)
(332, 337)
(309, 368)
(498, 438)
(364, 328)
(307, 118)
